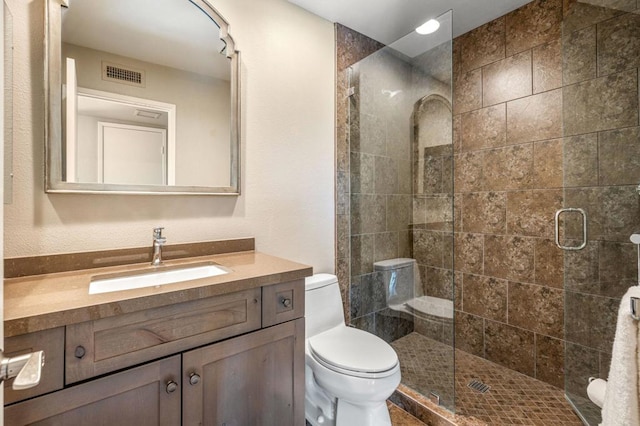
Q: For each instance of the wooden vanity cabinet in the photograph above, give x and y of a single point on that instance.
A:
(254, 378)
(141, 396)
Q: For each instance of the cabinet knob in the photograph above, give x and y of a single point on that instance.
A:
(80, 352)
(171, 386)
(194, 379)
(286, 302)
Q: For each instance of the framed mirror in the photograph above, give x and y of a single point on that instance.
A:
(142, 97)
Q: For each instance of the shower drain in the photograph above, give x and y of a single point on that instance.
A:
(478, 386)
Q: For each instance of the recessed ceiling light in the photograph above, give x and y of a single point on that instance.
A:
(431, 26)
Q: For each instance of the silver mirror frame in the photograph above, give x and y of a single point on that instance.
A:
(53, 115)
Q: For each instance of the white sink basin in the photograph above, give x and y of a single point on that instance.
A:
(154, 277)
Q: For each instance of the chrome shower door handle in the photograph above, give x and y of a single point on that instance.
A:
(584, 228)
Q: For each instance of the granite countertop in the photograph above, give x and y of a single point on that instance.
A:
(44, 301)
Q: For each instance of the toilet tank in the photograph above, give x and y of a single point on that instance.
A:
(398, 276)
(322, 304)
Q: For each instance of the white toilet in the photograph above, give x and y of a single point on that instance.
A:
(349, 373)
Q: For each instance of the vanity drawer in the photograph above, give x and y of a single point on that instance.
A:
(52, 343)
(101, 346)
(282, 302)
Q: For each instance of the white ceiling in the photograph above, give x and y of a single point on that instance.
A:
(388, 20)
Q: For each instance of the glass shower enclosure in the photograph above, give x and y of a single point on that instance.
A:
(401, 205)
(601, 148)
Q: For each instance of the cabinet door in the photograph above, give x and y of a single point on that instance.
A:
(255, 379)
(139, 396)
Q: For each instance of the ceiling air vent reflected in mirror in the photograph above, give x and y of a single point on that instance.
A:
(120, 74)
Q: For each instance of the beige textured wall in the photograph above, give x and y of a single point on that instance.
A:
(287, 201)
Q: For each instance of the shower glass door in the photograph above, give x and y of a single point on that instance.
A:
(601, 165)
(401, 205)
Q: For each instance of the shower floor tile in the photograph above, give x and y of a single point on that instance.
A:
(513, 398)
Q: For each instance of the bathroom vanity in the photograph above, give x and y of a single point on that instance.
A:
(227, 349)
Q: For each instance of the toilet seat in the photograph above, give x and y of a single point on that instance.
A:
(354, 352)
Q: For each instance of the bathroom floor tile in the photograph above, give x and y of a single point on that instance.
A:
(512, 398)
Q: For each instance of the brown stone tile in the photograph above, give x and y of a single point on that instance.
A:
(419, 211)
(368, 213)
(581, 363)
(619, 157)
(484, 128)
(468, 171)
(549, 264)
(457, 213)
(469, 250)
(404, 176)
(604, 103)
(581, 160)
(342, 236)
(457, 134)
(362, 173)
(532, 212)
(428, 247)
(467, 92)
(547, 66)
(439, 283)
(508, 168)
(507, 79)
(535, 118)
(547, 164)
(509, 258)
(535, 23)
(536, 308)
(589, 199)
(386, 175)
(582, 269)
(593, 320)
(579, 14)
(619, 44)
(404, 244)
(550, 360)
(620, 211)
(432, 174)
(342, 193)
(385, 246)
(617, 262)
(351, 46)
(469, 333)
(511, 347)
(458, 284)
(484, 212)
(482, 45)
(362, 253)
(439, 212)
(485, 297)
(579, 60)
(398, 212)
(372, 135)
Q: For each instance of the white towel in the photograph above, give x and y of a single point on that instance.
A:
(621, 398)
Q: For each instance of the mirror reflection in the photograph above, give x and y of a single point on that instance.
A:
(148, 100)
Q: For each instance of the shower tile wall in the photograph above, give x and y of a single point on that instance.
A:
(351, 47)
(374, 183)
(380, 183)
(509, 102)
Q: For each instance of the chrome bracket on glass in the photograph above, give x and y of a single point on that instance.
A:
(584, 228)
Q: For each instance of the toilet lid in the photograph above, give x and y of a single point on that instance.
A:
(354, 350)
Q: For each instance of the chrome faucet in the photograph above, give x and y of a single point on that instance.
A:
(158, 242)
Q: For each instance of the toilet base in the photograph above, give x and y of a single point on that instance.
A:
(362, 415)
(348, 414)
